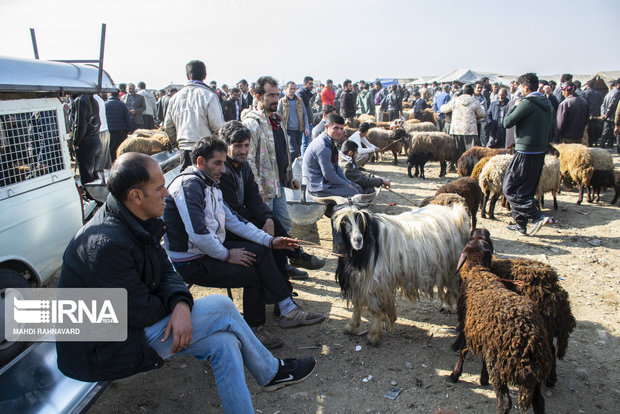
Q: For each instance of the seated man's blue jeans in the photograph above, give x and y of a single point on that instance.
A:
(280, 210)
(220, 335)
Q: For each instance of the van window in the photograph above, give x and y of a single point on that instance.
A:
(30, 146)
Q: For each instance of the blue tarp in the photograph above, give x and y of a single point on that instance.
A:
(387, 82)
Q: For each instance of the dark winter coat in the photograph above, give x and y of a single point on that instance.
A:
(116, 249)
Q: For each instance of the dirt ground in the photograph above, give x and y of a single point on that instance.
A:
(352, 377)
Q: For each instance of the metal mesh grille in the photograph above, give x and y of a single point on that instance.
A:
(30, 146)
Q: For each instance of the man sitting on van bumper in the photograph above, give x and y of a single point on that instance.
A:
(120, 247)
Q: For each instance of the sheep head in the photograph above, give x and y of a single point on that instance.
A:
(484, 235)
(476, 253)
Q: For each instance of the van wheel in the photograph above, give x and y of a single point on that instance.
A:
(9, 279)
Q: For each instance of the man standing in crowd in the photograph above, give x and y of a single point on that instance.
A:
(608, 112)
(347, 101)
(495, 119)
(441, 98)
(120, 248)
(136, 105)
(198, 219)
(483, 134)
(380, 101)
(193, 113)
(419, 105)
(532, 117)
(393, 104)
(325, 177)
(105, 161)
(151, 106)
(269, 149)
(245, 98)
(595, 100)
(85, 128)
(241, 195)
(231, 109)
(365, 101)
(294, 112)
(119, 122)
(306, 94)
(320, 127)
(572, 116)
(328, 95)
(557, 91)
(466, 111)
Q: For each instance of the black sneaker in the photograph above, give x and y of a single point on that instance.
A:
(291, 371)
(516, 227)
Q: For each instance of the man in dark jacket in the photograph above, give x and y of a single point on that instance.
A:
(85, 124)
(347, 101)
(242, 196)
(306, 94)
(608, 113)
(572, 115)
(595, 100)
(495, 120)
(136, 105)
(230, 107)
(120, 247)
(532, 117)
(119, 122)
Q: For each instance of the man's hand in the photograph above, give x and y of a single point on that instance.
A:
(377, 149)
(617, 130)
(241, 257)
(307, 131)
(386, 182)
(180, 323)
(269, 227)
(285, 243)
(132, 111)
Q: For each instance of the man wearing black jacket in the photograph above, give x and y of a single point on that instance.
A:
(120, 247)
(242, 196)
(347, 101)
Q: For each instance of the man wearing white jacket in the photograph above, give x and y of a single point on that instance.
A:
(198, 219)
(193, 113)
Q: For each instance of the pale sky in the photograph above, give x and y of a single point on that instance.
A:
(152, 40)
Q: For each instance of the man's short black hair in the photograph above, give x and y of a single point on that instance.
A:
(129, 171)
(234, 132)
(542, 82)
(577, 84)
(394, 87)
(291, 82)
(468, 89)
(196, 70)
(364, 127)
(114, 94)
(260, 84)
(378, 83)
(480, 82)
(308, 79)
(141, 85)
(235, 89)
(416, 93)
(346, 82)
(327, 109)
(329, 81)
(162, 91)
(530, 80)
(590, 83)
(206, 147)
(242, 82)
(566, 77)
(334, 118)
(348, 146)
(122, 87)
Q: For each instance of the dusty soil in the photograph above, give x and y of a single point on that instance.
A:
(416, 357)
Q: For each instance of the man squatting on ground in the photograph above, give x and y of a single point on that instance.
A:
(198, 220)
(532, 117)
(120, 247)
(368, 182)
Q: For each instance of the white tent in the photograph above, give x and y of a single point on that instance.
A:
(467, 76)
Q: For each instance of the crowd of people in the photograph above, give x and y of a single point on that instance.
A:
(224, 219)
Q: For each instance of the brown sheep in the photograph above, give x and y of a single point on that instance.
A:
(576, 165)
(429, 146)
(388, 140)
(467, 188)
(145, 141)
(366, 118)
(470, 158)
(475, 173)
(505, 329)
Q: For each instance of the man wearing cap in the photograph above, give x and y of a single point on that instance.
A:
(572, 115)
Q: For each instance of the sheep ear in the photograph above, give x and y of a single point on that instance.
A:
(462, 261)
